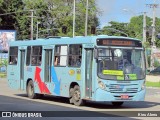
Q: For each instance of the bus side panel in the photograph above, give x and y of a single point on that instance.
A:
(39, 84)
(62, 77)
(56, 81)
(29, 75)
(13, 76)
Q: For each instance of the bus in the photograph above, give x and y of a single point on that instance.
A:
(83, 68)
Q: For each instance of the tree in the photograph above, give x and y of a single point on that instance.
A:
(53, 14)
(115, 29)
(134, 29)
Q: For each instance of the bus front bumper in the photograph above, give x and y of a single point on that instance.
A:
(102, 95)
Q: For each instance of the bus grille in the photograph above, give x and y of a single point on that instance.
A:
(123, 88)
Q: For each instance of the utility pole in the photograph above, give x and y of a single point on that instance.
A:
(74, 12)
(144, 26)
(32, 24)
(144, 36)
(86, 21)
(153, 46)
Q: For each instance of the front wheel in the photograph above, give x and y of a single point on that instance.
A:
(117, 104)
(76, 96)
(30, 90)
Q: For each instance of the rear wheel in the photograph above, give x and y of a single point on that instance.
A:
(117, 103)
(30, 90)
(71, 91)
(76, 96)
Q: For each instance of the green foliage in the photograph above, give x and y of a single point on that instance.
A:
(152, 84)
(3, 75)
(156, 63)
(3, 62)
(134, 29)
(146, 44)
(1, 1)
(116, 29)
(52, 15)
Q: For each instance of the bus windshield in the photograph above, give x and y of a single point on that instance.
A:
(121, 64)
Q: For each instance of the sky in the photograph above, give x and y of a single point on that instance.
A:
(113, 10)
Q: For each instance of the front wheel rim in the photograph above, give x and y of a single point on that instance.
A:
(76, 95)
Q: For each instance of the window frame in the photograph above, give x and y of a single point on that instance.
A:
(38, 60)
(14, 56)
(59, 56)
(75, 56)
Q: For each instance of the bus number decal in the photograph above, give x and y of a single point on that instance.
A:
(131, 76)
(120, 77)
(112, 72)
(127, 77)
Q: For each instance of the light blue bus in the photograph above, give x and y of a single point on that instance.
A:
(92, 68)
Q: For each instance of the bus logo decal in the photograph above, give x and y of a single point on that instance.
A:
(42, 87)
(71, 72)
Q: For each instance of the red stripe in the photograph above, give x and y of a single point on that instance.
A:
(42, 86)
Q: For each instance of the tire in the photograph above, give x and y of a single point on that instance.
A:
(117, 104)
(40, 96)
(76, 96)
(30, 90)
(71, 92)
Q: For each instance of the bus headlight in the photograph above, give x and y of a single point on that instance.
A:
(143, 86)
(101, 85)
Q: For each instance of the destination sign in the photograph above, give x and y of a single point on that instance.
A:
(119, 42)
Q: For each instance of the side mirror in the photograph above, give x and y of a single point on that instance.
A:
(95, 53)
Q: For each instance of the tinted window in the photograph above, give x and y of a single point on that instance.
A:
(13, 55)
(60, 53)
(36, 56)
(75, 55)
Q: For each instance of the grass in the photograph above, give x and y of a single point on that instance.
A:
(3, 75)
(153, 84)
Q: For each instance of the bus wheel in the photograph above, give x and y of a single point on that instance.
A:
(30, 90)
(117, 103)
(77, 96)
(71, 92)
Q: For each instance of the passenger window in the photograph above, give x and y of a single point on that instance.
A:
(60, 54)
(13, 55)
(75, 55)
(36, 56)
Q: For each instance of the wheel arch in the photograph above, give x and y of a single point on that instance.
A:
(29, 79)
(72, 86)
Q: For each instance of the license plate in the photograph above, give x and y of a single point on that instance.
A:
(124, 96)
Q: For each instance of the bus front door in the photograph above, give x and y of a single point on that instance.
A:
(88, 73)
(22, 63)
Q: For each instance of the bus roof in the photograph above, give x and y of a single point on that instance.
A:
(65, 40)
